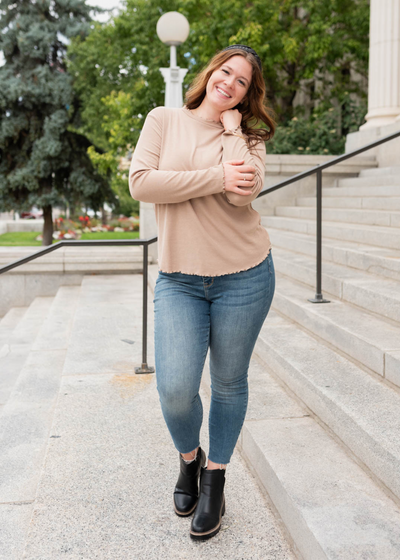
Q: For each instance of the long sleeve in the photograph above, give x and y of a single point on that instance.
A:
(235, 147)
(149, 184)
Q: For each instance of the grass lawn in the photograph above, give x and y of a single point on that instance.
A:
(27, 238)
(110, 235)
(20, 239)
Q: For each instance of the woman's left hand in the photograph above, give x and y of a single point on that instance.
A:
(231, 118)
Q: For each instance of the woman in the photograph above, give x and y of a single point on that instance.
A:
(202, 166)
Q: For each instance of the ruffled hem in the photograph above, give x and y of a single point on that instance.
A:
(216, 275)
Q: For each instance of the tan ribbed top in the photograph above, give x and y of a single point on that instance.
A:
(177, 165)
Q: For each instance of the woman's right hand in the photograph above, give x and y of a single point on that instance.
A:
(239, 178)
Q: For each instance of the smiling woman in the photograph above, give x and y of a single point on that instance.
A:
(202, 166)
(235, 73)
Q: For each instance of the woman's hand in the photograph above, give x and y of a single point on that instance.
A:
(238, 176)
(231, 119)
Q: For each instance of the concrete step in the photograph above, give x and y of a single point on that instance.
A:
(316, 487)
(363, 336)
(365, 290)
(379, 171)
(15, 351)
(358, 408)
(379, 236)
(367, 202)
(9, 322)
(363, 191)
(370, 181)
(354, 216)
(28, 411)
(375, 260)
(26, 421)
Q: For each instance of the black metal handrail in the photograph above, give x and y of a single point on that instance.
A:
(146, 242)
(318, 170)
(144, 368)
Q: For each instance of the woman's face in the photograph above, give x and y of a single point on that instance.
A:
(229, 84)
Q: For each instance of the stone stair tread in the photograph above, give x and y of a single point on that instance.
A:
(392, 170)
(382, 252)
(380, 236)
(12, 317)
(319, 491)
(377, 217)
(361, 410)
(377, 229)
(358, 333)
(362, 190)
(356, 211)
(370, 180)
(329, 505)
(15, 351)
(381, 296)
(375, 260)
(9, 322)
(27, 415)
(391, 203)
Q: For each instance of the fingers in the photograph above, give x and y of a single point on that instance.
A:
(238, 190)
(245, 183)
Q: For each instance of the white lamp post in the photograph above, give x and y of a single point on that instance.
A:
(173, 30)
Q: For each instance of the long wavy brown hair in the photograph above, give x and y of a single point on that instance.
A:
(254, 108)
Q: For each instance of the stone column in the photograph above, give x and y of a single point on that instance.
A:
(384, 64)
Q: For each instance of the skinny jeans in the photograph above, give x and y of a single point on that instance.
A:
(193, 313)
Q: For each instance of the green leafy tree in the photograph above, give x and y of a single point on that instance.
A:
(43, 159)
(301, 43)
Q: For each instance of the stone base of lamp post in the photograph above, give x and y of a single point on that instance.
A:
(173, 78)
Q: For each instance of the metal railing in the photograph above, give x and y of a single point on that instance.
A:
(146, 242)
(318, 170)
(144, 368)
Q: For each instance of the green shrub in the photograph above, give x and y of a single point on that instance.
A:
(322, 133)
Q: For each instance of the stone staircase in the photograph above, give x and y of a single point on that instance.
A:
(332, 468)
(78, 429)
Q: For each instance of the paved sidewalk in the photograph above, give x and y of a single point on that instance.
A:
(110, 469)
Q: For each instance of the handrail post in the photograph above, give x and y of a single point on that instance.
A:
(318, 294)
(144, 367)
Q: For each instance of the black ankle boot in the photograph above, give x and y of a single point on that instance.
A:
(186, 492)
(211, 506)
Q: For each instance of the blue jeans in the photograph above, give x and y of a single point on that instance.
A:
(193, 313)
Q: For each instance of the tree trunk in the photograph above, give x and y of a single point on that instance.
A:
(47, 226)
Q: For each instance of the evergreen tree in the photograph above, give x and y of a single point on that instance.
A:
(43, 161)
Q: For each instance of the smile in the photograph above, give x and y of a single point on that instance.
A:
(222, 92)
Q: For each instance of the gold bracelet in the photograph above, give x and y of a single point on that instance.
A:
(234, 132)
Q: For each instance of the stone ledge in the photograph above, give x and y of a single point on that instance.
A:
(290, 164)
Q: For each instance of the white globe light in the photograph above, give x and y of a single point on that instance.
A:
(173, 28)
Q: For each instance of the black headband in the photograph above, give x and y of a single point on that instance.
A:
(247, 49)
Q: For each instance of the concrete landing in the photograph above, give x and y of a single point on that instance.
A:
(111, 467)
